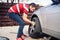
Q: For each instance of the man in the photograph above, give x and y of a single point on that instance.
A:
(23, 9)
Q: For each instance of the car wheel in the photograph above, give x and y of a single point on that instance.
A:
(35, 31)
(3, 38)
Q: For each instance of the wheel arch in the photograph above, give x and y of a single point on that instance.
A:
(34, 15)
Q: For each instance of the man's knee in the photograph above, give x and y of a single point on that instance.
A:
(22, 24)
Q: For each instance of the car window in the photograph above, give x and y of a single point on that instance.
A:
(56, 1)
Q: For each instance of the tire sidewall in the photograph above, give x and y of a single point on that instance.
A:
(37, 28)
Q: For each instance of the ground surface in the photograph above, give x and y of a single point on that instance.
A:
(11, 32)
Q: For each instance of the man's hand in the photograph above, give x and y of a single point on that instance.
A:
(33, 23)
(27, 20)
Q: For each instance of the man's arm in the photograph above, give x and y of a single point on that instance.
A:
(26, 19)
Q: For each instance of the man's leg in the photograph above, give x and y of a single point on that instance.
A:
(19, 20)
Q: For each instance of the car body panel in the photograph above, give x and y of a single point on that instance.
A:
(49, 19)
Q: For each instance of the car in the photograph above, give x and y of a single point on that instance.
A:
(47, 21)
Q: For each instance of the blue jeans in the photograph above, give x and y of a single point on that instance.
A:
(19, 20)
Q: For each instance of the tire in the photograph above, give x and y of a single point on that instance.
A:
(4, 38)
(35, 31)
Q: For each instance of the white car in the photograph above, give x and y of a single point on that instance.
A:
(47, 20)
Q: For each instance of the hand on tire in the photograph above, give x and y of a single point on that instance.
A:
(33, 23)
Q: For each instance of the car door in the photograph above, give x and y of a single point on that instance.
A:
(52, 20)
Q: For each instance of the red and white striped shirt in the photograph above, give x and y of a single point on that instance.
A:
(19, 8)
